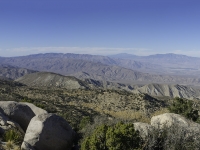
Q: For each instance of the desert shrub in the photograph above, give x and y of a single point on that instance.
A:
(13, 135)
(159, 112)
(184, 107)
(40, 105)
(122, 136)
(117, 137)
(172, 138)
(10, 145)
(84, 121)
(26, 100)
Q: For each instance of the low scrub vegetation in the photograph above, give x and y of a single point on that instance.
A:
(184, 107)
(123, 136)
(117, 137)
(13, 135)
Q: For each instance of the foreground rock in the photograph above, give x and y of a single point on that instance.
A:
(48, 132)
(21, 113)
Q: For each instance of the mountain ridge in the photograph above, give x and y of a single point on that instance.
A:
(48, 79)
(104, 68)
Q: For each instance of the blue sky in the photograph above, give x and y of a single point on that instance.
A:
(104, 27)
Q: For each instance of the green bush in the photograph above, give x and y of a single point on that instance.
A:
(118, 137)
(84, 121)
(40, 105)
(26, 100)
(184, 107)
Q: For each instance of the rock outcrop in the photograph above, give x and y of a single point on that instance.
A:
(48, 132)
(3, 119)
(169, 119)
(19, 112)
(42, 131)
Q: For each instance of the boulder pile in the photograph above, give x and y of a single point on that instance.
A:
(43, 131)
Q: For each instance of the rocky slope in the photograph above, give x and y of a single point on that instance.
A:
(81, 101)
(37, 129)
(48, 79)
(160, 90)
(10, 72)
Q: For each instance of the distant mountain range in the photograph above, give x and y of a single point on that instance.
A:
(173, 64)
(160, 68)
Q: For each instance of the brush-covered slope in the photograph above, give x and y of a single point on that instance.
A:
(48, 79)
(109, 85)
(52, 80)
(73, 104)
(169, 91)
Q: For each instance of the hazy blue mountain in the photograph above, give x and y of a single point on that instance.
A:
(155, 68)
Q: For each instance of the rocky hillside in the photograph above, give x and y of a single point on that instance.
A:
(33, 128)
(10, 72)
(81, 101)
(47, 79)
(160, 90)
(82, 108)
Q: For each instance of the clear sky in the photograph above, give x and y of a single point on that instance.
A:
(105, 27)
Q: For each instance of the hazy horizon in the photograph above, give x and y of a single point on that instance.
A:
(123, 53)
(139, 27)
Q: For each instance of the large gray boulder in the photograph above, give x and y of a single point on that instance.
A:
(169, 119)
(36, 110)
(21, 113)
(48, 132)
(175, 120)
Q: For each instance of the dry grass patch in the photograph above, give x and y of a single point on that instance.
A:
(160, 111)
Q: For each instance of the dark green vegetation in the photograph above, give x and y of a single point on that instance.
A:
(123, 136)
(116, 137)
(185, 108)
